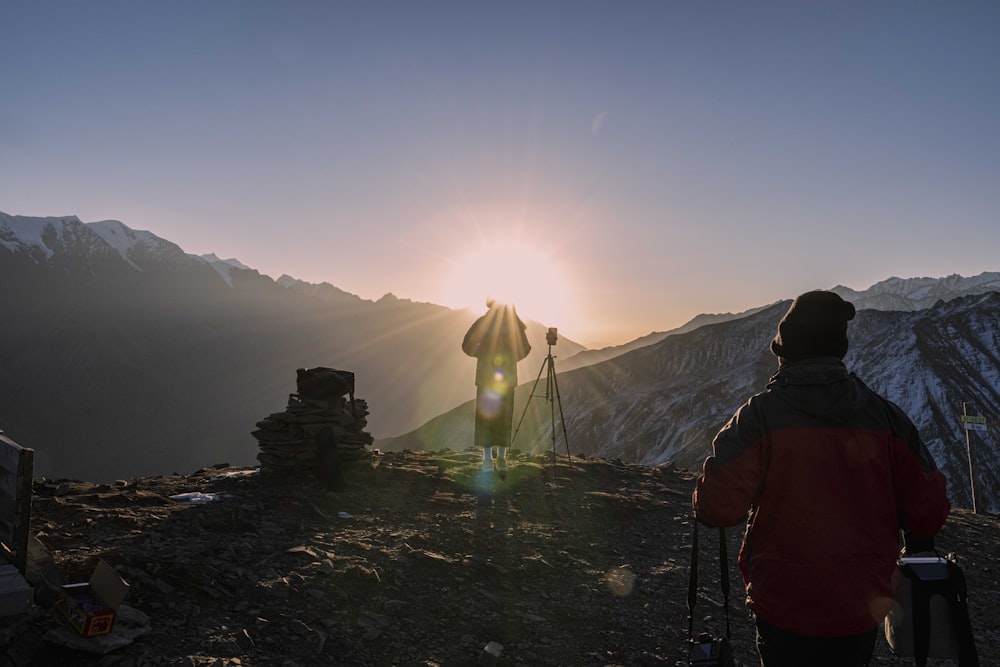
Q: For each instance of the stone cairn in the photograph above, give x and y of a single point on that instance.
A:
(321, 428)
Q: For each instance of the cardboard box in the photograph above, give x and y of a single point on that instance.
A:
(91, 607)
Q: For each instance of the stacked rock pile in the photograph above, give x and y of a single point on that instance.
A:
(321, 429)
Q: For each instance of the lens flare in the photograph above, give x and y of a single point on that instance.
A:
(620, 581)
(490, 403)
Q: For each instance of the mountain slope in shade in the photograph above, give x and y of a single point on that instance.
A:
(665, 402)
(125, 356)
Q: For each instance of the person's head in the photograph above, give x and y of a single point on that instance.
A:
(814, 326)
(493, 305)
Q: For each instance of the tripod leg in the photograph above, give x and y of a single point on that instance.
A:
(550, 397)
(562, 417)
(527, 403)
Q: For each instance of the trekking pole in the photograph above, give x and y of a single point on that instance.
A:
(724, 566)
(693, 579)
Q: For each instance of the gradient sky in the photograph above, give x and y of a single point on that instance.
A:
(618, 167)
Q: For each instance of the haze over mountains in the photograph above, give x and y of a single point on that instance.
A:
(125, 356)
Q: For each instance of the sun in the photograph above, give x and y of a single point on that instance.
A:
(510, 272)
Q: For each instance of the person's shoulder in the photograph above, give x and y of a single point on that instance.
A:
(763, 397)
(896, 416)
(477, 323)
(759, 403)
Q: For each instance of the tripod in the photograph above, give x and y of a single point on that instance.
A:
(552, 396)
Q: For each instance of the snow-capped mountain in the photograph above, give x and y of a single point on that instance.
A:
(918, 293)
(889, 294)
(665, 402)
(68, 244)
(54, 239)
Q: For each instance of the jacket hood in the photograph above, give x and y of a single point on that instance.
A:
(821, 387)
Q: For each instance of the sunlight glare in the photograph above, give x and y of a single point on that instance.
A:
(510, 273)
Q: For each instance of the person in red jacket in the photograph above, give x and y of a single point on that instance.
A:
(826, 472)
(498, 341)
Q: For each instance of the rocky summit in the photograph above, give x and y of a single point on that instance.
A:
(422, 559)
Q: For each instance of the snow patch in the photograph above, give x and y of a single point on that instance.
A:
(224, 267)
(20, 233)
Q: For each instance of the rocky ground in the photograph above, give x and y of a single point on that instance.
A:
(422, 560)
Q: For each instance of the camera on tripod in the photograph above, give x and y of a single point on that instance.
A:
(551, 395)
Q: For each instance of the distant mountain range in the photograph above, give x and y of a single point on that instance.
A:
(124, 356)
(665, 402)
(121, 355)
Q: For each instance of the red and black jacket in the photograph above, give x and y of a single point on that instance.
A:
(826, 472)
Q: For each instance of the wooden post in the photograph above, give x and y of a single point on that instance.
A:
(972, 465)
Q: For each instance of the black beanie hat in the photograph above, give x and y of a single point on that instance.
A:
(814, 326)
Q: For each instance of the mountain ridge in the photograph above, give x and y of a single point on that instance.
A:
(665, 402)
(134, 357)
(124, 338)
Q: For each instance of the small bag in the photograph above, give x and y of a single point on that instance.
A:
(929, 616)
(709, 651)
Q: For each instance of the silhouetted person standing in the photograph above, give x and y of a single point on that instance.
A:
(498, 341)
(826, 472)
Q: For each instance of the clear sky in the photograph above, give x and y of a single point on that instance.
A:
(615, 168)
